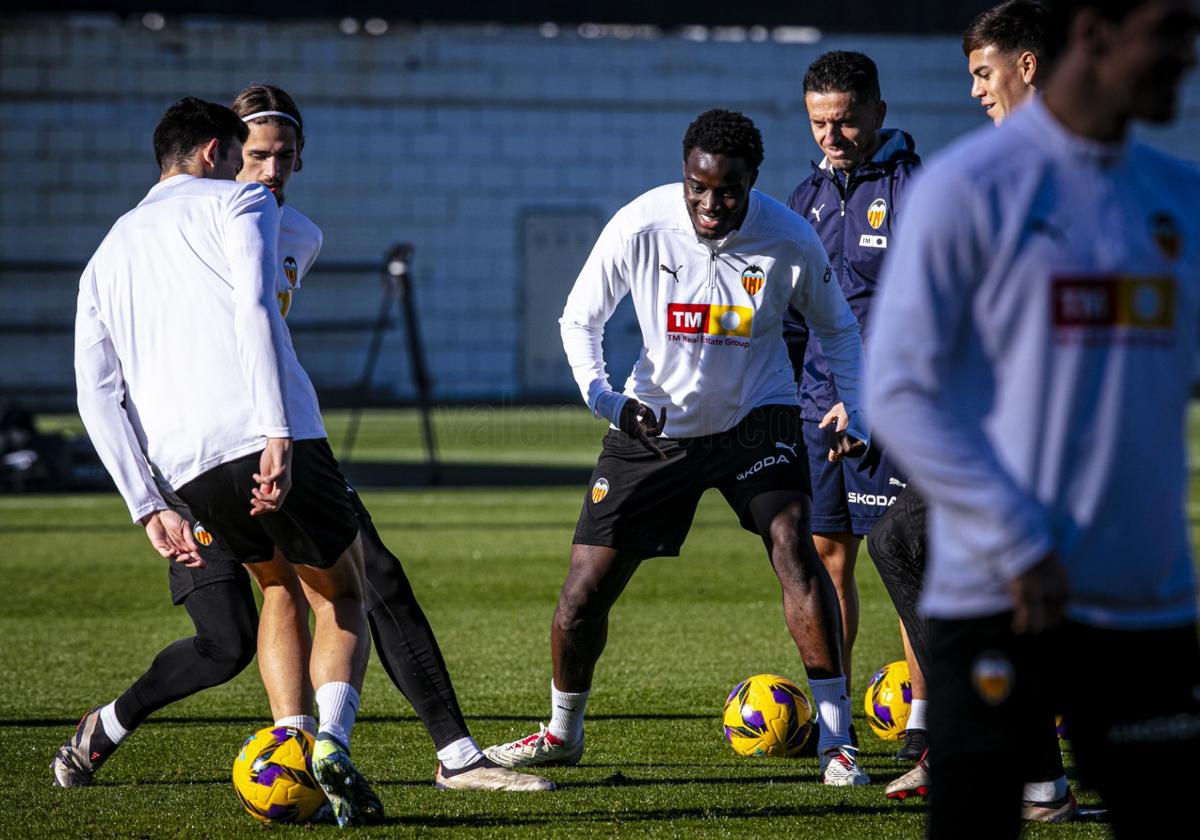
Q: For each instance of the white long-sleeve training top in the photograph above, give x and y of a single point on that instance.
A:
(181, 354)
(299, 244)
(710, 313)
(1033, 353)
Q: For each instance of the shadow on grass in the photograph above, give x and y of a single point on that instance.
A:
(619, 779)
(557, 823)
(256, 720)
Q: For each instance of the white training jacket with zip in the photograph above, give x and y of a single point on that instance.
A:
(710, 311)
(182, 357)
(1034, 353)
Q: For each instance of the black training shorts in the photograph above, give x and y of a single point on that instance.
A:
(315, 526)
(220, 564)
(638, 502)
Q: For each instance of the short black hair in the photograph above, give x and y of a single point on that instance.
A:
(256, 98)
(1062, 12)
(729, 133)
(842, 71)
(1015, 26)
(190, 123)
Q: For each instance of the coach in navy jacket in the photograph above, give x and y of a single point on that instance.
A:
(839, 205)
(851, 199)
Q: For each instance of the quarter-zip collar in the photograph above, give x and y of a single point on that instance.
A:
(717, 246)
(1035, 120)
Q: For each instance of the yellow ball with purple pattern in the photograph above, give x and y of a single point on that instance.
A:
(889, 700)
(767, 715)
(273, 778)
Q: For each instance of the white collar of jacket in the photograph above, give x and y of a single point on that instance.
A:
(1035, 118)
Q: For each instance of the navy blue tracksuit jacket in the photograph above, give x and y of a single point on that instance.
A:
(855, 217)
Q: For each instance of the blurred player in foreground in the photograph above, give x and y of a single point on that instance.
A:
(1030, 331)
(1005, 48)
(712, 266)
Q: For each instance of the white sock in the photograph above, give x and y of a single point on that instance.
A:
(337, 703)
(1046, 791)
(916, 717)
(112, 727)
(566, 717)
(833, 712)
(306, 722)
(460, 753)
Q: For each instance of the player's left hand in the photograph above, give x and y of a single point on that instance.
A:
(842, 444)
(171, 536)
(274, 477)
(638, 421)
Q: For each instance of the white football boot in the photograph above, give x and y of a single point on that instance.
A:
(839, 766)
(539, 748)
(485, 774)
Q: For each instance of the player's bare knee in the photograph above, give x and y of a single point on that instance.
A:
(566, 620)
(571, 613)
(797, 565)
(785, 530)
(580, 606)
(342, 580)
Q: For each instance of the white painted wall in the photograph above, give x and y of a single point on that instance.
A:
(440, 136)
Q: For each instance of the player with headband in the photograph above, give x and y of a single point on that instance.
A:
(218, 597)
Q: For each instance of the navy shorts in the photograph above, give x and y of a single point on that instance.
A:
(638, 502)
(849, 495)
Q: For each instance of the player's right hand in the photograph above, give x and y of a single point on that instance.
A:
(638, 421)
(1039, 596)
(274, 477)
(171, 536)
(842, 444)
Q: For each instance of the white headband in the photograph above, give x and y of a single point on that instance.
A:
(258, 114)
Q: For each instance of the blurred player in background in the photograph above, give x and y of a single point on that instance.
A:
(191, 273)
(852, 199)
(712, 266)
(1028, 333)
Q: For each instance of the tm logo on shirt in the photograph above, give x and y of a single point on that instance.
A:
(696, 323)
(1140, 308)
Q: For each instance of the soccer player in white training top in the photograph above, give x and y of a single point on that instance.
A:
(191, 273)
(711, 265)
(218, 596)
(1005, 48)
(404, 640)
(1043, 302)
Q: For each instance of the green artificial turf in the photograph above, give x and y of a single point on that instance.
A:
(86, 608)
